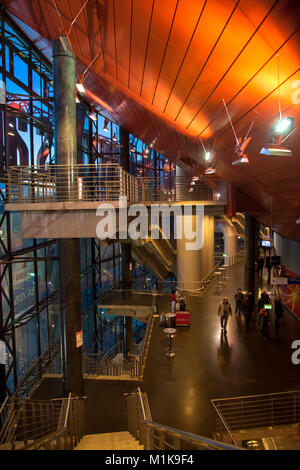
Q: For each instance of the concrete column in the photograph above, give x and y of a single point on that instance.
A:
(193, 265)
(251, 241)
(126, 247)
(230, 240)
(68, 249)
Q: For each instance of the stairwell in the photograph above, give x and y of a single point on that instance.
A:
(109, 441)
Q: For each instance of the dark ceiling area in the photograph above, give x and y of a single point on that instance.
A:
(164, 67)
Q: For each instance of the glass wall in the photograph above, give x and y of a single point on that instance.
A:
(29, 306)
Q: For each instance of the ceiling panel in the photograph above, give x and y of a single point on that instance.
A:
(164, 67)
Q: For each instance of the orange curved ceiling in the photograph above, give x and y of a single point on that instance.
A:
(164, 67)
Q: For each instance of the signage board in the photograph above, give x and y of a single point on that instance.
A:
(279, 281)
(79, 339)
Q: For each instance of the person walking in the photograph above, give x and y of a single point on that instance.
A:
(239, 299)
(173, 302)
(260, 265)
(223, 312)
(248, 308)
(263, 300)
(278, 311)
(264, 322)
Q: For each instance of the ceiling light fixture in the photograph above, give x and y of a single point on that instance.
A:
(92, 115)
(80, 87)
(106, 122)
(210, 171)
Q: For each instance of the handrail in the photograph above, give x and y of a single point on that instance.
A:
(254, 411)
(67, 411)
(40, 423)
(225, 425)
(103, 181)
(197, 440)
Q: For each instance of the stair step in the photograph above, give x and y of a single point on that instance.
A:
(109, 441)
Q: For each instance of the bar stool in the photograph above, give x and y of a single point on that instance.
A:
(226, 266)
(170, 332)
(170, 320)
(223, 272)
(219, 274)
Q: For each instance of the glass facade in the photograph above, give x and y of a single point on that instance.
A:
(29, 306)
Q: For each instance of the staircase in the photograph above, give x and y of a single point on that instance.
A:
(109, 441)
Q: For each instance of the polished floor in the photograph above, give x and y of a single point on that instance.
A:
(207, 365)
(210, 365)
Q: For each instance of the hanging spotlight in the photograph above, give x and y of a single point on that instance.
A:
(278, 135)
(79, 86)
(92, 115)
(114, 138)
(210, 171)
(105, 127)
(282, 126)
(276, 150)
(207, 156)
(77, 99)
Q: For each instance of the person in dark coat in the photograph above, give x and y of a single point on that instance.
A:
(239, 299)
(264, 322)
(260, 265)
(263, 300)
(248, 308)
(278, 311)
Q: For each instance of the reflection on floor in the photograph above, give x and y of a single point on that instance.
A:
(209, 364)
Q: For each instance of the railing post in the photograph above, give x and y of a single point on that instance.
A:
(9, 189)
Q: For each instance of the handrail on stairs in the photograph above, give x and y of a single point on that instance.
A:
(155, 436)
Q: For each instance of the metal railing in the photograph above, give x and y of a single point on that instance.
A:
(229, 260)
(154, 436)
(114, 364)
(103, 182)
(256, 411)
(39, 424)
(49, 361)
(189, 287)
(204, 189)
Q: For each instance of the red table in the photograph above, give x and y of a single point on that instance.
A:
(182, 318)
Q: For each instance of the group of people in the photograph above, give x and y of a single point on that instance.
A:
(245, 305)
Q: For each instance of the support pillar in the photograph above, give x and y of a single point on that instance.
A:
(68, 249)
(251, 241)
(126, 247)
(193, 265)
(230, 241)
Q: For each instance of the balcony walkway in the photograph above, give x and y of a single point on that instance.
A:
(207, 365)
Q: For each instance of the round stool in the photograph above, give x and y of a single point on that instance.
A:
(226, 266)
(170, 332)
(219, 274)
(170, 320)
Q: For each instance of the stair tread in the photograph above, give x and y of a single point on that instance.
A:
(109, 441)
